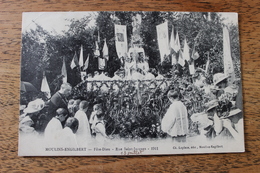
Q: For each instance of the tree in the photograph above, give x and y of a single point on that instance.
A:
(42, 51)
(34, 59)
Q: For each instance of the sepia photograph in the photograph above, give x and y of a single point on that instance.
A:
(105, 83)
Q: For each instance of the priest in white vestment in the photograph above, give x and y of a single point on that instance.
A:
(175, 122)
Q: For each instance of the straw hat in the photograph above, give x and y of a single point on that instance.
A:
(233, 112)
(212, 104)
(34, 106)
(26, 119)
(218, 77)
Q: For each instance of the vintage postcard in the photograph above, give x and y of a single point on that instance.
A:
(130, 83)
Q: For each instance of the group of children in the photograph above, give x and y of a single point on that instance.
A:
(69, 127)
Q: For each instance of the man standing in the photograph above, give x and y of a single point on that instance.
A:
(59, 99)
(175, 122)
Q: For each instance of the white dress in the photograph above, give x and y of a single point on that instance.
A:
(83, 133)
(100, 130)
(67, 138)
(52, 131)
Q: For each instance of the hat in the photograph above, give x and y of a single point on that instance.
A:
(218, 77)
(212, 104)
(34, 106)
(26, 119)
(22, 107)
(232, 113)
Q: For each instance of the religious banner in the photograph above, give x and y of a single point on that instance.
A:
(228, 63)
(163, 40)
(121, 40)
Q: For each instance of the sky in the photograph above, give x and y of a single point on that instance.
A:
(55, 23)
(229, 17)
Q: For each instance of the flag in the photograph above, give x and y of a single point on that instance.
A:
(163, 40)
(105, 51)
(74, 63)
(96, 52)
(207, 65)
(172, 40)
(174, 58)
(228, 63)
(186, 51)
(101, 63)
(177, 45)
(207, 16)
(98, 39)
(194, 55)
(181, 60)
(86, 63)
(45, 86)
(64, 71)
(121, 40)
(192, 67)
(81, 63)
(83, 74)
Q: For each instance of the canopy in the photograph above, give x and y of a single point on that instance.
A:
(27, 87)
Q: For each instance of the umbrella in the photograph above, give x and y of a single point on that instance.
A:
(27, 87)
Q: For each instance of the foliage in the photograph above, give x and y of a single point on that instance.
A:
(43, 52)
(134, 109)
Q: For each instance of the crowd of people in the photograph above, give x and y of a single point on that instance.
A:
(63, 122)
(132, 67)
(222, 117)
(170, 110)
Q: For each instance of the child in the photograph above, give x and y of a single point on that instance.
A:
(93, 118)
(67, 137)
(83, 134)
(99, 128)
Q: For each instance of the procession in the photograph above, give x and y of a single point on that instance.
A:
(135, 84)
